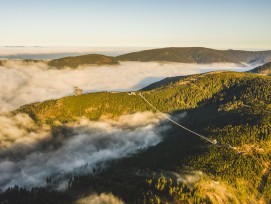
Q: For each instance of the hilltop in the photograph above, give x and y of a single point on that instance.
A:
(90, 59)
(199, 55)
(264, 69)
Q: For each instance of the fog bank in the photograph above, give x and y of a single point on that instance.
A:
(28, 154)
(23, 84)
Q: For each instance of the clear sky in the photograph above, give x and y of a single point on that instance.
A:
(223, 24)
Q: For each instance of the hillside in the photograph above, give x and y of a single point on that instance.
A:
(186, 93)
(163, 82)
(231, 107)
(198, 55)
(90, 59)
(264, 69)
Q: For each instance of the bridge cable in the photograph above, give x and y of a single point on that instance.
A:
(214, 142)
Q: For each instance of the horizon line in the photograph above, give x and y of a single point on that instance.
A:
(129, 47)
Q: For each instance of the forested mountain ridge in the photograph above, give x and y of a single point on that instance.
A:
(231, 107)
(199, 55)
(187, 93)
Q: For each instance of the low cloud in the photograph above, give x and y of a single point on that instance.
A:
(26, 83)
(19, 130)
(28, 154)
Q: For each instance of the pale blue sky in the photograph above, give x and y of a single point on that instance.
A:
(237, 24)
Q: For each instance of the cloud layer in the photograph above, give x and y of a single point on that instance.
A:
(22, 84)
(28, 154)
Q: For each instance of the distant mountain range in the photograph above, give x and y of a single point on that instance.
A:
(197, 55)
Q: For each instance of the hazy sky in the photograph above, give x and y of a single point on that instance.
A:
(239, 24)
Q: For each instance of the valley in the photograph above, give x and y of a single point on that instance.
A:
(230, 107)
